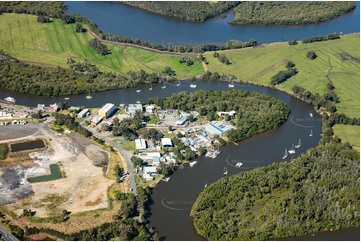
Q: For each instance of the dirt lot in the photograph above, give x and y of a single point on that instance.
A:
(84, 187)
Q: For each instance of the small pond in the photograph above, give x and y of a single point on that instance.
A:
(55, 174)
(28, 145)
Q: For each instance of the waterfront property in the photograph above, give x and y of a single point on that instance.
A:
(83, 113)
(96, 120)
(51, 108)
(107, 110)
(219, 128)
(148, 155)
(149, 109)
(149, 172)
(134, 108)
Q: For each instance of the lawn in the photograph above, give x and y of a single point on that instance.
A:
(348, 133)
(258, 65)
(53, 43)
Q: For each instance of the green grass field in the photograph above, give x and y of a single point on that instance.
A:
(348, 133)
(258, 65)
(24, 38)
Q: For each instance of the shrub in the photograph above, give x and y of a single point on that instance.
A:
(311, 54)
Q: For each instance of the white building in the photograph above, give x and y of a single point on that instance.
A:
(140, 144)
(167, 142)
(219, 128)
(148, 155)
(149, 172)
(149, 108)
(231, 113)
(83, 113)
(5, 114)
(134, 108)
(96, 120)
(107, 110)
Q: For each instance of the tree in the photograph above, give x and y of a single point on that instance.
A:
(136, 161)
(43, 18)
(292, 42)
(168, 71)
(311, 54)
(78, 28)
(37, 115)
(99, 47)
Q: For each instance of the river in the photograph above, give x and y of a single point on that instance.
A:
(135, 23)
(172, 201)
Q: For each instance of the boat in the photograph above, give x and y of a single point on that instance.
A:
(66, 98)
(164, 86)
(89, 96)
(231, 85)
(193, 163)
(311, 115)
(139, 90)
(178, 84)
(239, 164)
(10, 99)
(166, 179)
(225, 172)
(311, 134)
(122, 104)
(193, 85)
(206, 184)
(292, 150)
(285, 155)
(299, 144)
(151, 87)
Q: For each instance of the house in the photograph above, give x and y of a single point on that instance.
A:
(83, 113)
(147, 177)
(134, 108)
(107, 110)
(219, 128)
(149, 108)
(149, 172)
(96, 120)
(140, 144)
(167, 142)
(231, 113)
(156, 161)
(182, 119)
(5, 114)
(148, 155)
(41, 107)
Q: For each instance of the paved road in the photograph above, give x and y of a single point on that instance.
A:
(6, 235)
(124, 153)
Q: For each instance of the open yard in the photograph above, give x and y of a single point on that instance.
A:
(340, 58)
(348, 133)
(53, 43)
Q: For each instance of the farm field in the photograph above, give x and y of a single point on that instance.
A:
(348, 133)
(338, 60)
(51, 44)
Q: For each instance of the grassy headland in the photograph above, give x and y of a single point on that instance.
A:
(338, 60)
(348, 133)
(292, 12)
(51, 44)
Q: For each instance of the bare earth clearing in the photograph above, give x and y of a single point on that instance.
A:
(84, 187)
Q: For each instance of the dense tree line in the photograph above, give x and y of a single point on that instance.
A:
(52, 9)
(193, 11)
(68, 121)
(43, 18)
(255, 112)
(320, 38)
(283, 76)
(222, 58)
(322, 103)
(340, 118)
(290, 12)
(99, 47)
(80, 78)
(317, 191)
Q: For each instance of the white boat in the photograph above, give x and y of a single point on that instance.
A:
(285, 155)
(206, 184)
(151, 87)
(225, 172)
(66, 98)
(166, 179)
(299, 144)
(89, 96)
(193, 85)
(164, 86)
(239, 164)
(178, 84)
(231, 85)
(193, 163)
(139, 90)
(311, 134)
(311, 115)
(10, 99)
(292, 150)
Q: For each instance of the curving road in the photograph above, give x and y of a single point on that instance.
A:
(124, 153)
(6, 236)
